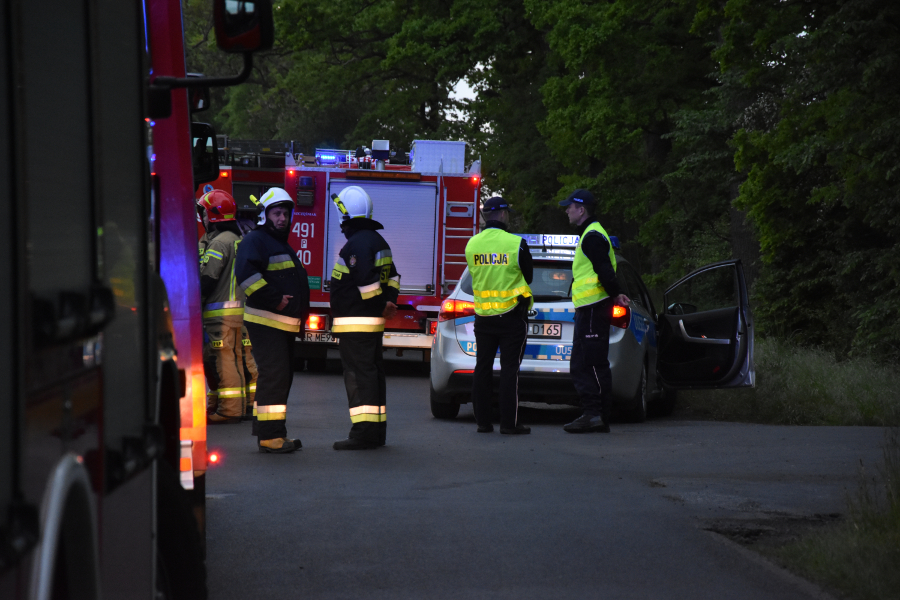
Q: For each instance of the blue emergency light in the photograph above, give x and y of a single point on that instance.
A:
(330, 157)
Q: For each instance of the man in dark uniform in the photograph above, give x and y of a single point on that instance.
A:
(595, 290)
(276, 308)
(364, 289)
(501, 268)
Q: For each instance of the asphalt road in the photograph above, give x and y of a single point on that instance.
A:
(445, 512)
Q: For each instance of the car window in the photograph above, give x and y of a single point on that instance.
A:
(708, 290)
(552, 282)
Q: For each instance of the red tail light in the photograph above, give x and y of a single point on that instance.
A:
(432, 326)
(223, 174)
(621, 317)
(455, 309)
(476, 179)
(315, 322)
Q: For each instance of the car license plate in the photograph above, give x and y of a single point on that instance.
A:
(322, 337)
(545, 330)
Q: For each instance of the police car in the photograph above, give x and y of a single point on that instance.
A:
(702, 339)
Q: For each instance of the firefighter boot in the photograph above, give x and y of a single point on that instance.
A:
(278, 445)
(355, 444)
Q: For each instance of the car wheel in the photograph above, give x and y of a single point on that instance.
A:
(638, 412)
(442, 409)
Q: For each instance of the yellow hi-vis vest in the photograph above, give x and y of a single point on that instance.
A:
(497, 280)
(586, 287)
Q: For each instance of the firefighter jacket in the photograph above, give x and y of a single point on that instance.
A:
(266, 270)
(204, 242)
(223, 300)
(363, 281)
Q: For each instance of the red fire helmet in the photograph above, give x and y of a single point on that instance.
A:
(219, 206)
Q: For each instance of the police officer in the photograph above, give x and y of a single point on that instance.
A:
(501, 268)
(223, 309)
(277, 305)
(595, 290)
(364, 289)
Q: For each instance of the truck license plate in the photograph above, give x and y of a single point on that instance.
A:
(545, 330)
(323, 337)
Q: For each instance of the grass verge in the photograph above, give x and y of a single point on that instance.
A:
(803, 386)
(858, 557)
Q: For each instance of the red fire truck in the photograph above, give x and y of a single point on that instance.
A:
(428, 206)
(102, 409)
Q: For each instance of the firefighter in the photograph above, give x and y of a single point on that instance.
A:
(223, 309)
(501, 268)
(277, 305)
(364, 290)
(595, 290)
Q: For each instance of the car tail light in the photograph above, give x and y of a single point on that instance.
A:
(315, 322)
(621, 316)
(455, 309)
(432, 326)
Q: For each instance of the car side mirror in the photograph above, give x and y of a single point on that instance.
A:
(204, 153)
(243, 25)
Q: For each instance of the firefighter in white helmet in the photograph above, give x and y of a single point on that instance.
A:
(364, 290)
(276, 308)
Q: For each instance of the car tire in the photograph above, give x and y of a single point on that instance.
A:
(638, 413)
(442, 409)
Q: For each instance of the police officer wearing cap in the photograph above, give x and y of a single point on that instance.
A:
(595, 290)
(501, 269)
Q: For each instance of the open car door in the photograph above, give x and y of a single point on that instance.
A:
(706, 330)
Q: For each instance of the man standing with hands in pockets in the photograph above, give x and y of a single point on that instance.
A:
(594, 291)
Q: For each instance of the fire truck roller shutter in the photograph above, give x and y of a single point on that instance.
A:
(408, 212)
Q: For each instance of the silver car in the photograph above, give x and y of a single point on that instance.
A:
(703, 339)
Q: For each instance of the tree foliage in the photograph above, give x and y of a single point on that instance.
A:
(709, 129)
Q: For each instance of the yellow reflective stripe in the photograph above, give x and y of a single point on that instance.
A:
(252, 283)
(348, 324)
(497, 305)
(369, 418)
(380, 262)
(264, 317)
(251, 387)
(231, 391)
(369, 291)
(371, 414)
(214, 253)
(271, 416)
(254, 408)
(340, 268)
(523, 290)
(224, 312)
(381, 256)
(394, 282)
(273, 412)
(288, 264)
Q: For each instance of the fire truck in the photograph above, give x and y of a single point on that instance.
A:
(103, 452)
(426, 198)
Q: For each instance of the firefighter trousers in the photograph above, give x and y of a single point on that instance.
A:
(589, 364)
(250, 372)
(507, 333)
(273, 350)
(362, 358)
(223, 364)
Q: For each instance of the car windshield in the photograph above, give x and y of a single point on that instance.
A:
(552, 282)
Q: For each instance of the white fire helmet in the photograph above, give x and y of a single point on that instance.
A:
(353, 203)
(272, 197)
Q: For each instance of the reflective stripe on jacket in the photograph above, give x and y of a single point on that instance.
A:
(497, 280)
(586, 287)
